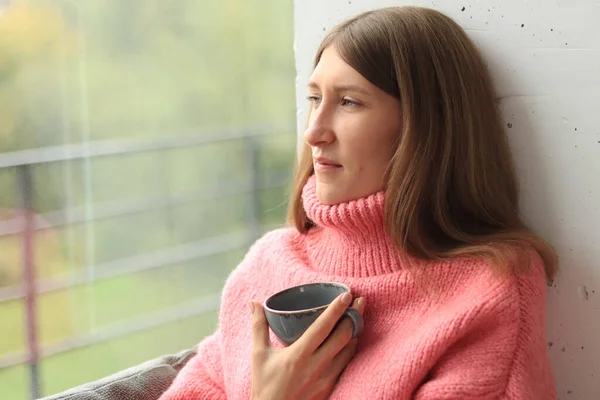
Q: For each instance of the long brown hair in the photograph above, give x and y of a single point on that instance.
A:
(452, 189)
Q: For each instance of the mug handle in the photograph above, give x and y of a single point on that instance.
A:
(358, 323)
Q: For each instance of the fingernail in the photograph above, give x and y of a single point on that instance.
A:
(251, 307)
(346, 298)
(360, 302)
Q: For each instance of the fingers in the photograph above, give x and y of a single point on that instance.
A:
(324, 386)
(341, 360)
(316, 334)
(340, 337)
(360, 304)
(260, 327)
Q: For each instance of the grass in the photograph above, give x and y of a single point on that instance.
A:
(66, 313)
(73, 368)
(78, 310)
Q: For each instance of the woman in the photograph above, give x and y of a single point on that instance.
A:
(405, 192)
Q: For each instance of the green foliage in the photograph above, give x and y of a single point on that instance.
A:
(76, 71)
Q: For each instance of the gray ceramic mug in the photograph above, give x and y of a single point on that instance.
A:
(291, 311)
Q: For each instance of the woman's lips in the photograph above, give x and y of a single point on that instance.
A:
(326, 165)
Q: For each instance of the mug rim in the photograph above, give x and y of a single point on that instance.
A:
(314, 309)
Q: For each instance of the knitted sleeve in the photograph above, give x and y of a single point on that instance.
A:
(502, 354)
(202, 377)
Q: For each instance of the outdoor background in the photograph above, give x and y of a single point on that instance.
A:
(150, 142)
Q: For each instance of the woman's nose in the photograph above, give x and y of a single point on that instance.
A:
(320, 130)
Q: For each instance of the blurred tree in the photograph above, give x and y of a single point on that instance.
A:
(77, 70)
(32, 37)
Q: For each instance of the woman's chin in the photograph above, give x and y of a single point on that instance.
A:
(330, 194)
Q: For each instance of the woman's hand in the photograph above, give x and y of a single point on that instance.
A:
(311, 366)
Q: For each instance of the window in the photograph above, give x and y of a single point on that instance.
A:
(143, 147)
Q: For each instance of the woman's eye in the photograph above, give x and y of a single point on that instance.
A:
(313, 99)
(348, 102)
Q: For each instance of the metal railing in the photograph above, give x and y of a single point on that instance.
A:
(26, 223)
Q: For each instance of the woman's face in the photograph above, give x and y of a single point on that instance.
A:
(352, 129)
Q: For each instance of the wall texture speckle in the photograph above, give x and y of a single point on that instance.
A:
(545, 59)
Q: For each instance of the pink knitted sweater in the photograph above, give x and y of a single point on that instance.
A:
(464, 335)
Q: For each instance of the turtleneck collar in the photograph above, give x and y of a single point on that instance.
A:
(349, 239)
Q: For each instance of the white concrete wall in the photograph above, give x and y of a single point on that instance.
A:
(545, 58)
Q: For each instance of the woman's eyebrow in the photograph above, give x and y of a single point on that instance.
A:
(342, 88)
